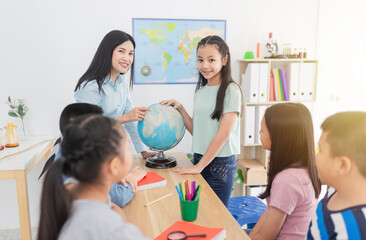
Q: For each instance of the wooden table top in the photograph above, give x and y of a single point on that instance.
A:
(154, 219)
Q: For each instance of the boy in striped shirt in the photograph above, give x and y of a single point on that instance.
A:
(341, 164)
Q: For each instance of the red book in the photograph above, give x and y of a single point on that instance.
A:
(192, 229)
(151, 180)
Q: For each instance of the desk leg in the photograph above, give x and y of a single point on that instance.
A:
(23, 205)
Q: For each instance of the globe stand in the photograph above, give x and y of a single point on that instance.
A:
(161, 161)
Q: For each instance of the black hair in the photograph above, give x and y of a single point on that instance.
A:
(88, 143)
(225, 72)
(101, 64)
(75, 110)
(290, 128)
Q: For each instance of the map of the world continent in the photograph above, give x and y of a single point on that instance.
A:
(166, 48)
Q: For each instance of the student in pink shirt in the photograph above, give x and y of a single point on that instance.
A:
(293, 186)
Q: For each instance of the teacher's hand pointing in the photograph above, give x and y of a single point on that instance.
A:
(136, 114)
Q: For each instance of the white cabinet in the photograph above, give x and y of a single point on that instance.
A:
(299, 78)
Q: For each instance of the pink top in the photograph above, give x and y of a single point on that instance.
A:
(293, 193)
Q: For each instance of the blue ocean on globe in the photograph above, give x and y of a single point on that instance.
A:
(162, 128)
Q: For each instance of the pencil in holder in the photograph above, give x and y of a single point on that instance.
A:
(189, 210)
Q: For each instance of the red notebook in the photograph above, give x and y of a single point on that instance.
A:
(191, 229)
(151, 180)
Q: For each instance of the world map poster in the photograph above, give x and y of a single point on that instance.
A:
(166, 48)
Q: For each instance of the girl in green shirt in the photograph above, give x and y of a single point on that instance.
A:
(215, 125)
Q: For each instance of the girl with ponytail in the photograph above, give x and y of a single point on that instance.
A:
(95, 151)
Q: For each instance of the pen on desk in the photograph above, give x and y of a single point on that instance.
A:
(195, 193)
(184, 192)
(187, 192)
(180, 195)
(157, 200)
(193, 183)
(199, 192)
(180, 188)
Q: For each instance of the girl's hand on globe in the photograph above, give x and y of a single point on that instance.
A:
(146, 154)
(136, 114)
(172, 102)
(188, 170)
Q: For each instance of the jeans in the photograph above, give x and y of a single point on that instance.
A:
(220, 175)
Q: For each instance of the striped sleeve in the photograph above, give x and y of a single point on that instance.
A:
(347, 224)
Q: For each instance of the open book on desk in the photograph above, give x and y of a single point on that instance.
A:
(192, 229)
(151, 180)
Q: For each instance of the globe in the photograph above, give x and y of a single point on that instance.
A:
(162, 129)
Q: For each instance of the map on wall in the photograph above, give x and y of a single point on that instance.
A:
(166, 48)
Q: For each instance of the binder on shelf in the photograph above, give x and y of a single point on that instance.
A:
(249, 125)
(284, 84)
(263, 82)
(259, 113)
(307, 81)
(292, 76)
(280, 85)
(250, 83)
(277, 85)
(272, 94)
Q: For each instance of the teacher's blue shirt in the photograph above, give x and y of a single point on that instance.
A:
(115, 100)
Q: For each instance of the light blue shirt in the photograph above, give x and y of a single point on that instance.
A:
(115, 100)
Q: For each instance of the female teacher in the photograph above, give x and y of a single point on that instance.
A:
(104, 84)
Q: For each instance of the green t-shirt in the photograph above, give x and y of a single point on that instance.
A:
(205, 128)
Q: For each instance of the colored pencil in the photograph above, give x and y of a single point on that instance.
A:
(187, 192)
(179, 193)
(157, 200)
(195, 192)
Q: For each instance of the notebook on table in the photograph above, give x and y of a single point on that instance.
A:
(192, 229)
(151, 180)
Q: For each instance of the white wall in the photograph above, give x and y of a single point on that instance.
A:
(45, 46)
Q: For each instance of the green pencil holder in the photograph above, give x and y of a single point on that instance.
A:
(249, 55)
(189, 210)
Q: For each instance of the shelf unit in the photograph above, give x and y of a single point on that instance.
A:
(254, 151)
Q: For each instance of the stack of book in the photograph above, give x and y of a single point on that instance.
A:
(278, 85)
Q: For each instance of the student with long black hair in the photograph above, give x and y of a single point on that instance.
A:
(95, 151)
(104, 84)
(215, 125)
(293, 185)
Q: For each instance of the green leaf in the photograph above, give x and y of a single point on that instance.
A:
(20, 110)
(12, 114)
(9, 99)
(239, 176)
(12, 106)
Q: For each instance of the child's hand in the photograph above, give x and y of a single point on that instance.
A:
(117, 209)
(138, 173)
(146, 154)
(188, 170)
(135, 175)
(172, 102)
(130, 179)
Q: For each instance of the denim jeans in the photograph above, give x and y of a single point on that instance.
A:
(220, 175)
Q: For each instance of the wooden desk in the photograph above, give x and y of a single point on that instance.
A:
(17, 167)
(154, 219)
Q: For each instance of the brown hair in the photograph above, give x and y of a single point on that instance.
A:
(290, 128)
(347, 136)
